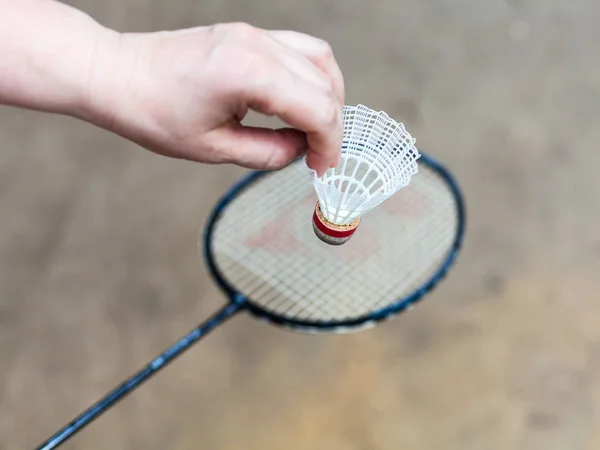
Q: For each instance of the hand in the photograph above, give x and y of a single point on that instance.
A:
(185, 93)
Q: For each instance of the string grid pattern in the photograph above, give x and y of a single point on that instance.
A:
(378, 159)
(265, 247)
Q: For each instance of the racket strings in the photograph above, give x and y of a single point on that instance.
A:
(271, 297)
(265, 247)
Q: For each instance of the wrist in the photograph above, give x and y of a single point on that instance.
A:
(97, 91)
(108, 98)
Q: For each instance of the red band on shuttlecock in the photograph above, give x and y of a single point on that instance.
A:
(331, 231)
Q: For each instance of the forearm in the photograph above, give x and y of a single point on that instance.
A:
(47, 55)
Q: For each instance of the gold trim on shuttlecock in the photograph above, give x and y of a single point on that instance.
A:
(335, 226)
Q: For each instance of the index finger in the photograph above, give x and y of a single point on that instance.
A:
(304, 106)
(319, 52)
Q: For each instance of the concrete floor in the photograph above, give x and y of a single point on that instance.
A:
(99, 269)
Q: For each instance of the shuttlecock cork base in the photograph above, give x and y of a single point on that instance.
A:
(331, 233)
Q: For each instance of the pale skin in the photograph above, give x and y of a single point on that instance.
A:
(183, 93)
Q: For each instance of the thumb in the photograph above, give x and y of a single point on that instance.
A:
(257, 148)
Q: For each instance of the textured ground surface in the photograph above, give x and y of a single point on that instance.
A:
(99, 270)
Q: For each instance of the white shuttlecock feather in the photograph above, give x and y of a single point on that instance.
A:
(378, 158)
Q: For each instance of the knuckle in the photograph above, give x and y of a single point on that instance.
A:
(216, 28)
(328, 86)
(275, 161)
(325, 50)
(233, 33)
(330, 115)
(256, 69)
(220, 32)
(244, 30)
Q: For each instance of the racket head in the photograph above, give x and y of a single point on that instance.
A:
(261, 250)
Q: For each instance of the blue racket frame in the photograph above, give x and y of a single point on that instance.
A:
(238, 302)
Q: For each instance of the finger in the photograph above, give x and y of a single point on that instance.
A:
(257, 148)
(319, 52)
(307, 108)
(303, 68)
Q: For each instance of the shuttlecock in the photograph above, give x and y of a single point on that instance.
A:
(378, 158)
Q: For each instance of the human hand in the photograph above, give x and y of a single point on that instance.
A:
(184, 94)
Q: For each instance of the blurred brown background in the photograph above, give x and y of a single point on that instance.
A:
(99, 269)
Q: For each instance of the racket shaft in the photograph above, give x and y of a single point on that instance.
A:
(144, 374)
